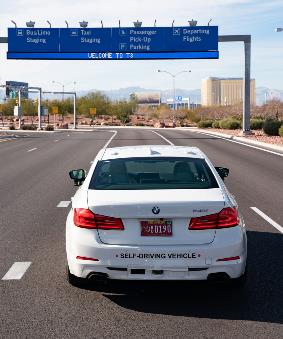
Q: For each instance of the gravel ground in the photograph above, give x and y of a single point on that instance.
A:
(258, 136)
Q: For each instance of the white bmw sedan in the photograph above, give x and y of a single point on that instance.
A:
(154, 213)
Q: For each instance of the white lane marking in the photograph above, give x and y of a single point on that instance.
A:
(17, 270)
(31, 150)
(56, 140)
(64, 204)
(113, 136)
(241, 143)
(266, 217)
(161, 136)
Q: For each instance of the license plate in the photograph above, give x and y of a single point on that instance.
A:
(156, 228)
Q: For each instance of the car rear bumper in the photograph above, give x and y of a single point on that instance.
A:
(176, 262)
(135, 272)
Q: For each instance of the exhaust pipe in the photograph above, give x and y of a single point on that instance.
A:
(98, 277)
(218, 277)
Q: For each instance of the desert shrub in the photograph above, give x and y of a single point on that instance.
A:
(230, 124)
(193, 117)
(256, 123)
(271, 126)
(216, 124)
(205, 123)
(29, 127)
(12, 127)
(140, 124)
(49, 128)
(281, 131)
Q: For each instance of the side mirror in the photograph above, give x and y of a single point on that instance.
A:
(222, 171)
(78, 176)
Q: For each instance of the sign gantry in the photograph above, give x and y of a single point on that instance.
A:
(128, 43)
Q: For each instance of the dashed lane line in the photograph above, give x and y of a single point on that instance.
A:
(17, 270)
(31, 150)
(64, 204)
(268, 219)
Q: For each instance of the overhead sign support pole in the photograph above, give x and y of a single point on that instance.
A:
(247, 77)
(39, 90)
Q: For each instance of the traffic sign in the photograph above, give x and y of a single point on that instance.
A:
(114, 56)
(55, 109)
(113, 43)
(92, 111)
(33, 40)
(12, 94)
(12, 87)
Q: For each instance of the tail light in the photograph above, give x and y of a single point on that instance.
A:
(228, 217)
(85, 218)
(86, 258)
(229, 258)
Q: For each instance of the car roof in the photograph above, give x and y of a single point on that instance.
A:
(152, 151)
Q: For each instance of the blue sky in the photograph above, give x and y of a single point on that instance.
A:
(255, 17)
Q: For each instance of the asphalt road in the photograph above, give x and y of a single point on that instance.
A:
(34, 180)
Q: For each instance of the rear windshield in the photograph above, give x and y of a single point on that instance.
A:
(148, 173)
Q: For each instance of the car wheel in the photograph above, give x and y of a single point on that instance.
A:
(74, 280)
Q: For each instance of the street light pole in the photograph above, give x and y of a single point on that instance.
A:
(63, 86)
(174, 89)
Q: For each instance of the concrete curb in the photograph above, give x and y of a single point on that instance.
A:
(243, 140)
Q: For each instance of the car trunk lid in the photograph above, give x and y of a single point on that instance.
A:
(135, 207)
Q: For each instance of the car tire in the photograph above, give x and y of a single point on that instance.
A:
(74, 280)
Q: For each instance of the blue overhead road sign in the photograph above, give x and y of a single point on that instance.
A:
(139, 41)
(33, 40)
(85, 40)
(114, 56)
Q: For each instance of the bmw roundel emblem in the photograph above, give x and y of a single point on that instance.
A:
(155, 210)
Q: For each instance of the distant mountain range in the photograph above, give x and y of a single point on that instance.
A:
(263, 94)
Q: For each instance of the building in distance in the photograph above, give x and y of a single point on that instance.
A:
(147, 99)
(225, 91)
(182, 103)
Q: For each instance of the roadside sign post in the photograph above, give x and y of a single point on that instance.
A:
(92, 111)
(55, 108)
(55, 111)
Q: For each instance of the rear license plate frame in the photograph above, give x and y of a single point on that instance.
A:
(156, 228)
